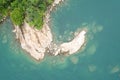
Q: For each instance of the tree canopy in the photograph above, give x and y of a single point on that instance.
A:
(32, 11)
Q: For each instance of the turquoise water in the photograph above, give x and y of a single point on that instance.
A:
(98, 60)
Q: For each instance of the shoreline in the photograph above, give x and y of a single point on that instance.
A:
(2, 20)
(39, 42)
(36, 41)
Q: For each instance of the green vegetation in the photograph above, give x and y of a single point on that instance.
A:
(17, 16)
(31, 11)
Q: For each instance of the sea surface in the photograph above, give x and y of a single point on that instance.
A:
(99, 59)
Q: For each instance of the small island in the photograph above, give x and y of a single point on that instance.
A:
(31, 26)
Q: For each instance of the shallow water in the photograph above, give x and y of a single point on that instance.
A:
(98, 60)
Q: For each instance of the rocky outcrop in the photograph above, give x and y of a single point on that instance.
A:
(34, 41)
(38, 42)
(72, 46)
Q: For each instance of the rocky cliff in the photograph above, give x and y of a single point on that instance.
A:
(38, 42)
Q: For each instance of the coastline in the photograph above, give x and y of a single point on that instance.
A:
(38, 42)
(2, 20)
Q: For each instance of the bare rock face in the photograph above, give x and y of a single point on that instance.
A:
(38, 42)
(34, 41)
(73, 46)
